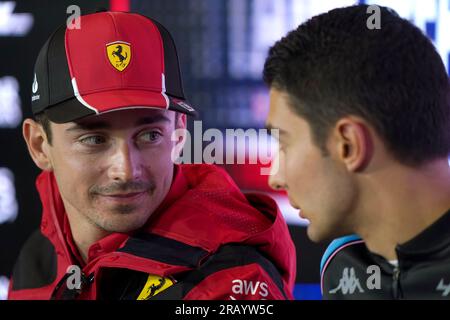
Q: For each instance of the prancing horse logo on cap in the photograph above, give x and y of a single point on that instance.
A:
(119, 54)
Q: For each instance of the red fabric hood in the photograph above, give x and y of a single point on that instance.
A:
(203, 208)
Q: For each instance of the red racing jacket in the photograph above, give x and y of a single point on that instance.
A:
(207, 240)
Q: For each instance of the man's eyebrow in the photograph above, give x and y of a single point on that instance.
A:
(153, 119)
(95, 125)
(269, 127)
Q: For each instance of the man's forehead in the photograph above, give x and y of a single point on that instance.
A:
(281, 115)
(132, 112)
(276, 115)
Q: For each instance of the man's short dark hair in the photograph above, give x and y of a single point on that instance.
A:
(44, 121)
(333, 65)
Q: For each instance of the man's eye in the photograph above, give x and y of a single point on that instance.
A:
(151, 136)
(93, 140)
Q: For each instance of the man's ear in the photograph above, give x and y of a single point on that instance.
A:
(180, 127)
(37, 143)
(352, 143)
(181, 120)
(179, 136)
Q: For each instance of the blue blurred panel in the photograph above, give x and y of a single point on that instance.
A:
(307, 291)
(430, 29)
(448, 59)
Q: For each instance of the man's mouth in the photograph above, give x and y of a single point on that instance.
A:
(124, 197)
(295, 206)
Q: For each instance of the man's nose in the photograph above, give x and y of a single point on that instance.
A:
(277, 177)
(125, 162)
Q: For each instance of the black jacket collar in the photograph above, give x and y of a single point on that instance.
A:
(430, 242)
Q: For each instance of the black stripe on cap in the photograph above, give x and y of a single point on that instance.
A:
(52, 73)
(172, 71)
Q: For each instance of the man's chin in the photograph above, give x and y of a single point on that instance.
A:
(318, 236)
(313, 236)
(123, 223)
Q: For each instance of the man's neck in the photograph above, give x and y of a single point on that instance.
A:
(84, 232)
(401, 203)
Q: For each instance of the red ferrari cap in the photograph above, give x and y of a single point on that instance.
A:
(114, 61)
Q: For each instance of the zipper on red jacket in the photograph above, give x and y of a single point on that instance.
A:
(63, 292)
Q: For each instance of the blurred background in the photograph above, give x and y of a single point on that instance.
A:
(222, 45)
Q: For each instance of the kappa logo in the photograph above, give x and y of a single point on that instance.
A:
(348, 283)
(245, 287)
(445, 288)
(153, 286)
(119, 54)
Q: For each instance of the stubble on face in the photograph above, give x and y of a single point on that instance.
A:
(86, 198)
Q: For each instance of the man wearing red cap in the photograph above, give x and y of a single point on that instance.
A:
(120, 220)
